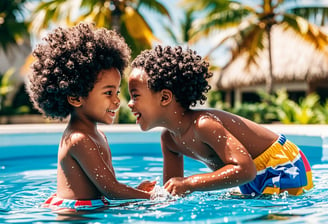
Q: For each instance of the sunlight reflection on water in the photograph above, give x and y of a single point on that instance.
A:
(24, 188)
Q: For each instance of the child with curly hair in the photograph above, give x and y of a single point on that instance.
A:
(77, 73)
(164, 83)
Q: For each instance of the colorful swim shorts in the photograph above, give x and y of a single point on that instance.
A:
(282, 167)
(76, 205)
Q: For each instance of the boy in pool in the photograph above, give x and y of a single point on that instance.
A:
(164, 83)
(77, 73)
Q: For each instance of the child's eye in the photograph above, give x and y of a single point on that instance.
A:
(109, 93)
(118, 92)
(134, 96)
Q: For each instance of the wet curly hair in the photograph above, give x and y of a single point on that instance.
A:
(68, 63)
(183, 72)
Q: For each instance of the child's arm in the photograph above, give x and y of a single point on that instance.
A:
(101, 173)
(172, 162)
(238, 167)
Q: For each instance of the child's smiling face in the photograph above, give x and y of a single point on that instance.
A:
(103, 103)
(145, 104)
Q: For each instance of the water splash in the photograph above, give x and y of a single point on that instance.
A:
(160, 194)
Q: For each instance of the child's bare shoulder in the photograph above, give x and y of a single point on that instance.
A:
(206, 118)
(78, 140)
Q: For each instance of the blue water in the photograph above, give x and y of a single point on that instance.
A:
(28, 177)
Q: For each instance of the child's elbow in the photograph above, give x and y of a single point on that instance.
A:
(251, 172)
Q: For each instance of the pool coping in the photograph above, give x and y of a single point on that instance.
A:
(308, 130)
(305, 136)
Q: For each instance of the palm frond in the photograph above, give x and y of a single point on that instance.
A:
(313, 13)
(53, 11)
(154, 5)
(309, 32)
(210, 6)
(221, 20)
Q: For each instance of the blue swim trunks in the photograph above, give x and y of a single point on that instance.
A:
(282, 167)
(57, 203)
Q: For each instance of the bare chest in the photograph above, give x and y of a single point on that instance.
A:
(194, 148)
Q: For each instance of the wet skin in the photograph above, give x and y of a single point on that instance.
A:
(85, 168)
(225, 142)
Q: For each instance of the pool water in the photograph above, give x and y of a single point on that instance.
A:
(28, 177)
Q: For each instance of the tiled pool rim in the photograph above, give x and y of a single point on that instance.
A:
(19, 134)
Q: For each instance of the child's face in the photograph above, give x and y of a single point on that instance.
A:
(144, 103)
(103, 103)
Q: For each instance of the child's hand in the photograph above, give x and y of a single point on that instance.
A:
(147, 185)
(177, 186)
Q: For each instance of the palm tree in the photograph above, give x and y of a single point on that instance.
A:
(122, 15)
(13, 28)
(182, 35)
(314, 11)
(14, 47)
(253, 25)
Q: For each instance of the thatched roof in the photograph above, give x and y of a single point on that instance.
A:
(293, 58)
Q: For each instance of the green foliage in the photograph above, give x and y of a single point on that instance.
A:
(12, 29)
(322, 113)
(303, 112)
(260, 112)
(278, 108)
(214, 100)
(6, 87)
(125, 116)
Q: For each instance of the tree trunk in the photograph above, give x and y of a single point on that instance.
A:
(116, 17)
(269, 78)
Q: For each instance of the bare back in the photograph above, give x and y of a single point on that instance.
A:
(205, 144)
(253, 136)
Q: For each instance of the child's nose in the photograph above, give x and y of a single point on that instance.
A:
(130, 104)
(117, 101)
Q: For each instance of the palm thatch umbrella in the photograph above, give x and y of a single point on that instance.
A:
(294, 61)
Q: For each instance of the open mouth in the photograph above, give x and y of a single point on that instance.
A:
(111, 112)
(137, 115)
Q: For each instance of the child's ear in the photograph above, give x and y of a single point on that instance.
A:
(166, 97)
(75, 101)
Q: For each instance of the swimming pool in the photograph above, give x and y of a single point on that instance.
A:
(28, 177)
